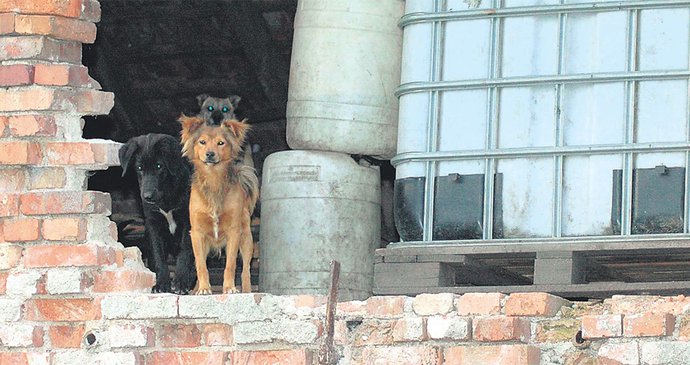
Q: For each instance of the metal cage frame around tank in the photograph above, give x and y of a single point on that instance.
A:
(494, 82)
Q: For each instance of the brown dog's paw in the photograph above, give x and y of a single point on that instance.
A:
(206, 291)
(231, 290)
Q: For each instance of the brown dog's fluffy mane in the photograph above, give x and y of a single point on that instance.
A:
(235, 132)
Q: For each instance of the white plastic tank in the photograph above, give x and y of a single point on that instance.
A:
(555, 98)
(317, 207)
(344, 71)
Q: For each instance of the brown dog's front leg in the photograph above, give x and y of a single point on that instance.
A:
(231, 247)
(200, 253)
(247, 251)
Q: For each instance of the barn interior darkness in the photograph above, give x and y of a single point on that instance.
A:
(157, 56)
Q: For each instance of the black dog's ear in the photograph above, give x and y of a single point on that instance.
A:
(234, 100)
(200, 98)
(126, 152)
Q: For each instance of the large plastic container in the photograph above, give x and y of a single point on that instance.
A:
(345, 68)
(548, 97)
(317, 207)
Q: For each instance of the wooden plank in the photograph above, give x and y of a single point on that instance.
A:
(422, 274)
(600, 246)
(590, 290)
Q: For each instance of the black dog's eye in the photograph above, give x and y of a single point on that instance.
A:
(210, 108)
(225, 109)
(220, 143)
(202, 142)
(139, 167)
(158, 166)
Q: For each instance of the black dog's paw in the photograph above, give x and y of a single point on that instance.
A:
(183, 286)
(163, 287)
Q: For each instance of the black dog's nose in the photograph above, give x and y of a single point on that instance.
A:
(149, 196)
(210, 154)
(216, 118)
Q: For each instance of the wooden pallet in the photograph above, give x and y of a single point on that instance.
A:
(572, 269)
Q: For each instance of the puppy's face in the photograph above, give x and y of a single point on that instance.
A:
(215, 111)
(211, 145)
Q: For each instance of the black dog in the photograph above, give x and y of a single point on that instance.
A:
(164, 185)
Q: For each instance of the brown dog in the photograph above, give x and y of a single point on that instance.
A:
(222, 199)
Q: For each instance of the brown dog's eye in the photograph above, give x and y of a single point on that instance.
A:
(220, 143)
(202, 142)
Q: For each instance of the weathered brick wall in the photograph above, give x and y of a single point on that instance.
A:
(71, 294)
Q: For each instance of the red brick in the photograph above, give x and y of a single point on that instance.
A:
(57, 27)
(9, 205)
(123, 280)
(602, 326)
(20, 230)
(14, 358)
(479, 303)
(64, 229)
(648, 324)
(94, 102)
(501, 328)
(216, 334)
(187, 358)
(68, 8)
(47, 178)
(66, 336)
(410, 329)
(68, 255)
(91, 10)
(10, 255)
(386, 306)
(16, 75)
(430, 304)
(82, 309)
(40, 48)
(12, 179)
(72, 153)
(492, 355)
(179, 335)
(20, 153)
(32, 125)
(7, 23)
(52, 74)
(4, 122)
(618, 353)
(413, 355)
(34, 98)
(284, 357)
(309, 301)
(373, 332)
(72, 202)
(3, 282)
(534, 304)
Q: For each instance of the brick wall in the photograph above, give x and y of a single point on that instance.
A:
(71, 294)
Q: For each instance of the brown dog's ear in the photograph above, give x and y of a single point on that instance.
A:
(237, 128)
(189, 126)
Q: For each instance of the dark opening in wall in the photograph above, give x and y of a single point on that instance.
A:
(157, 56)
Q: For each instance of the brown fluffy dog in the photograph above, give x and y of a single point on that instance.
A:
(222, 199)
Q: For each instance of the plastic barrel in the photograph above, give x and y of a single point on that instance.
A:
(343, 75)
(317, 207)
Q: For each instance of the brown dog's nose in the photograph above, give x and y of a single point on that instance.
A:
(210, 154)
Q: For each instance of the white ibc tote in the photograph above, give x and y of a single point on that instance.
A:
(580, 110)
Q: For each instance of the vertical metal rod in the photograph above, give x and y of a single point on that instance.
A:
(492, 116)
(432, 125)
(631, 100)
(327, 354)
(557, 220)
(686, 202)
